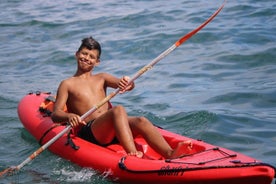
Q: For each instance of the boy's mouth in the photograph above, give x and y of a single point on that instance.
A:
(86, 62)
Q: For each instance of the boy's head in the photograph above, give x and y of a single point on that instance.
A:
(90, 43)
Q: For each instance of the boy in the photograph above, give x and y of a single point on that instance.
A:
(83, 90)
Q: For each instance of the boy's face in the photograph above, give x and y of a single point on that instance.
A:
(88, 58)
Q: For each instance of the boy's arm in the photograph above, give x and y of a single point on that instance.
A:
(115, 82)
(58, 114)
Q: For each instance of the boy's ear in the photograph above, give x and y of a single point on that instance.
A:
(98, 62)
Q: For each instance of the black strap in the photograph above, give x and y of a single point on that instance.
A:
(46, 112)
(70, 141)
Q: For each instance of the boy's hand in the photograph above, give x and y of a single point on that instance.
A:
(75, 120)
(124, 85)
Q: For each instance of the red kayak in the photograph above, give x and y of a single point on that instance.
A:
(204, 163)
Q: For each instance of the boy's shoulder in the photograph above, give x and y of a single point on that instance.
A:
(72, 80)
(102, 75)
(68, 81)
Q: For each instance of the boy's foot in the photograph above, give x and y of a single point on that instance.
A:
(183, 148)
(137, 154)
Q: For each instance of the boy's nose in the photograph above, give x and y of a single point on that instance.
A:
(86, 57)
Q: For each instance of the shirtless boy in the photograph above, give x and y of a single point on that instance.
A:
(85, 89)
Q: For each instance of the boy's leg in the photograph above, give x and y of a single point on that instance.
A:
(142, 126)
(114, 123)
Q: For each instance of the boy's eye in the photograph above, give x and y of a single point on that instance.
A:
(92, 57)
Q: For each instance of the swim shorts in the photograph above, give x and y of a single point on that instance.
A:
(86, 134)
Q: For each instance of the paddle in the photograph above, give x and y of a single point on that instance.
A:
(112, 94)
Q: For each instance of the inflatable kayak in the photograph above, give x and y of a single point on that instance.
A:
(204, 163)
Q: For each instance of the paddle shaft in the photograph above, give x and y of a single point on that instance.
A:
(115, 92)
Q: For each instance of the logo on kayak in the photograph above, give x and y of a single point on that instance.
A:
(171, 171)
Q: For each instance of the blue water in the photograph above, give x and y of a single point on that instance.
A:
(218, 86)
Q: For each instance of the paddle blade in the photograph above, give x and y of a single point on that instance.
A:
(190, 34)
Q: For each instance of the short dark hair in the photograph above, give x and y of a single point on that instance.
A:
(90, 43)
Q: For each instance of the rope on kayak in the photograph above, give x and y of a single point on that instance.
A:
(170, 170)
(46, 132)
(69, 138)
(225, 156)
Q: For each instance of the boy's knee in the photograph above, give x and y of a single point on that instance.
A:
(142, 121)
(118, 109)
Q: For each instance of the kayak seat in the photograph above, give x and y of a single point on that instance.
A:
(197, 146)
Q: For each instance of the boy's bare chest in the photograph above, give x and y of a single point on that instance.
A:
(88, 90)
